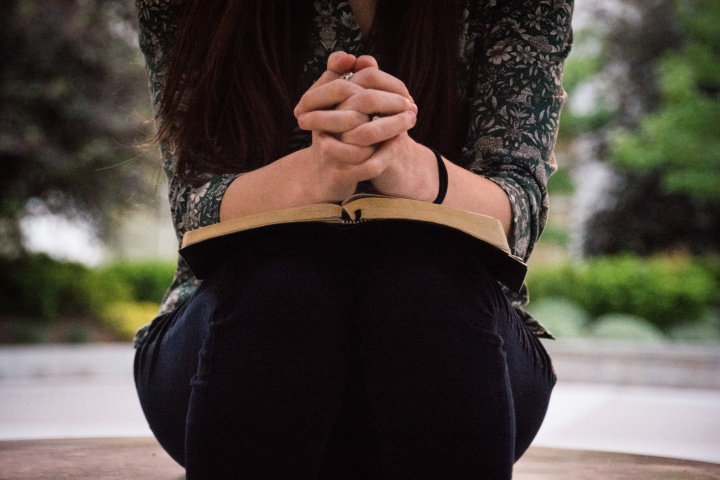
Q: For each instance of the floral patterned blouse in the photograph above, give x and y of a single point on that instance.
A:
(511, 56)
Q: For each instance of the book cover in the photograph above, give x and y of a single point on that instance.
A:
(204, 248)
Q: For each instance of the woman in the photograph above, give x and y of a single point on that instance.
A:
(351, 353)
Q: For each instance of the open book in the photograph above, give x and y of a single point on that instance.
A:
(205, 247)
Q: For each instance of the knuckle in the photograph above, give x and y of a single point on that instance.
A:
(410, 119)
(369, 101)
(373, 168)
(360, 76)
(344, 88)
(350, 122)
(334, 87)
(348, 137)
(300, 107)
(363, 136)
(324, 78)
(356, 155)
(305, 120)
(324, 147)
(371, 74)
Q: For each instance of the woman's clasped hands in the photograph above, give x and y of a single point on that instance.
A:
(359, 117)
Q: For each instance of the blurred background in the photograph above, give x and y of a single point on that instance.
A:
(631, 250)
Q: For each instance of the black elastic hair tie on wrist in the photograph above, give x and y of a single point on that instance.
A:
(443, 177)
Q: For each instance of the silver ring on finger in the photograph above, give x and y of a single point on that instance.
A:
(347, 76)
(374, 116)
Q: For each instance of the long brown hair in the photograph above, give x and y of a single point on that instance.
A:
(232, 76)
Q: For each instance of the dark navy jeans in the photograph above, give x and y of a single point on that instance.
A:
(383, 351)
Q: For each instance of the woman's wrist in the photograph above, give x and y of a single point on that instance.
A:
(416, 178)
(442, 178)
(285, 183)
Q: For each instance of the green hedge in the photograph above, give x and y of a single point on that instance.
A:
(625, 326)
(37, 287)
(562, 317)
(125, 318)
(665, 292)
(147, 280)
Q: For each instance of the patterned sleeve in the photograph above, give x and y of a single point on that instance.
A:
(191, 207)
(515, 97)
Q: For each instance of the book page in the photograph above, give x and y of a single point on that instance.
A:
(321, 212)
(483, 227)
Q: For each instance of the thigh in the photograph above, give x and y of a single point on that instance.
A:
(273, 366)
(436, 356)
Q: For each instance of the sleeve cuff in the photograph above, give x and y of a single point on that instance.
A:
(203, 203)
(523, 216)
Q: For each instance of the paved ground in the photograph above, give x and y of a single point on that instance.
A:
(57, 392)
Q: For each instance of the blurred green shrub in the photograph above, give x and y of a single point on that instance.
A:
(78, 334)
(711, 264)
(554, 235)
(695, 333)
(561, 183)
(101, 289)
(148, 280)
(621, 326)
(26, 331)
(562, 317)
(706, 331)
(36, 287)
(664, 291)
(124, 318)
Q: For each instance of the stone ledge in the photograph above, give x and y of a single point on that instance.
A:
(576, 360)
(123, 458)
(32, 362)
(637, 364)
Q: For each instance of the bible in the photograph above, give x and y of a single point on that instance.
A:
(203, 248)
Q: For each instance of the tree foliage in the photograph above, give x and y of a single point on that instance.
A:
(681, 140)
(658, 107)
(613, 64)
(73, 108)
(644, 218)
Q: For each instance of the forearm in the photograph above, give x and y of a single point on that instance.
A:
(417, 178)
(475, 193)
(272, 187)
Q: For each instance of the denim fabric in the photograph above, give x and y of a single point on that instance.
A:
(381, 351)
